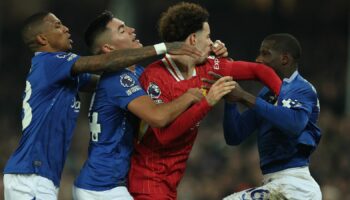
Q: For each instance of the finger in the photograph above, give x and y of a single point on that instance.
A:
(208, 81)
(196, 51)
(206, 87)
(215, 75)
(222, 80)
(221, 52)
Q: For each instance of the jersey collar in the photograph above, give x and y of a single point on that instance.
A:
(173, 69)
(292, 77)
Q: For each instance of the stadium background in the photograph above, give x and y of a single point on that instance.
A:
(214, 169)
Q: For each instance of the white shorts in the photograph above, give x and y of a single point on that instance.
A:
(289, 184)
(28, 187)
(117, 193)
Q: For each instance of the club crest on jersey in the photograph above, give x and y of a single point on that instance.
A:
(126, 80)
(289, 103)
(153, 91)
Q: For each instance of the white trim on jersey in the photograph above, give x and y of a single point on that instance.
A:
(173, 69)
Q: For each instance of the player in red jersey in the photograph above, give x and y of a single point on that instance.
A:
(159, 158)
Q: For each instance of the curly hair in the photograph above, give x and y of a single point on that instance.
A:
(180, 20)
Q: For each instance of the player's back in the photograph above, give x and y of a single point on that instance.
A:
(50, 109)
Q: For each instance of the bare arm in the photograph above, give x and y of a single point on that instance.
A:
(124, 58)
(160, 115)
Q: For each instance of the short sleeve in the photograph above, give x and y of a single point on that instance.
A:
(124, 88)
(57, 66)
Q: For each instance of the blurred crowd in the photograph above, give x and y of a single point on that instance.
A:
(214, 168)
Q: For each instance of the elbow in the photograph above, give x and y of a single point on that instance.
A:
(295, 131)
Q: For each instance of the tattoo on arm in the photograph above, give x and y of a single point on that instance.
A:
(113, 61)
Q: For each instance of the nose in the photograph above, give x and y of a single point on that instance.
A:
(65, 28)
(258, 59)
(131, 29)
(211, 42)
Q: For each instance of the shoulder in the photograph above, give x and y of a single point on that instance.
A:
(154, 70)
(300, 86)
(155, 66)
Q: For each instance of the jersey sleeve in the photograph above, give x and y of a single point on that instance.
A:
(237, 126)
(58, 66)
(123, 88)
(83, 79)
(241, 70)
(159, 92)
(292, 112)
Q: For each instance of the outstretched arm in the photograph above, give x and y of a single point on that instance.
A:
(193, 115)
(237, 127)
(241, 70)
(124, 58)
(160, 115)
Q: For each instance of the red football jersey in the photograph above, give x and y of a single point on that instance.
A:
(159, 159)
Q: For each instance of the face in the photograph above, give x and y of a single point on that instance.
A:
(268, 56)
(57, 35)
(121, 36)
(203, 42)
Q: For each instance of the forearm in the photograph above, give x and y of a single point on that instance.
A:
(169, 111)
(183, 123)
(289, 120)
(113, 61)
(240, 70)
(237, 127)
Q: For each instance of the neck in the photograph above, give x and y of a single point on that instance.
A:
(288, 71)
(132, 67)
(47, 49)
(185, 64)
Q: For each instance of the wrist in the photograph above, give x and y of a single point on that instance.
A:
(160, 48)
(210, 101)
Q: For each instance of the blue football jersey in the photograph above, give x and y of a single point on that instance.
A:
(112, 130)
(50, 108)
(287, 133)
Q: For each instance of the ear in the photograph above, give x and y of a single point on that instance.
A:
(41, 39)
(285, 58)
(192, 38)
(106, 48)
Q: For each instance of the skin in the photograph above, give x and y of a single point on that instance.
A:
(283, 63)
(53, 36)
(120, 36)
(202, 41)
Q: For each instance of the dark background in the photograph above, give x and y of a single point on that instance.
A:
(214, 169)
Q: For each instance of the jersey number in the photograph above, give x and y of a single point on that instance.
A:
(27, 110)
(95, 128)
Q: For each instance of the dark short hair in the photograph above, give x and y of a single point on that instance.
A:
(180, 20)
(96, 27)
(30, 28)
(286, 43)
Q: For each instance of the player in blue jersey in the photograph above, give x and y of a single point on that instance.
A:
(118, 100)
(51, 103)
(286, 126)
